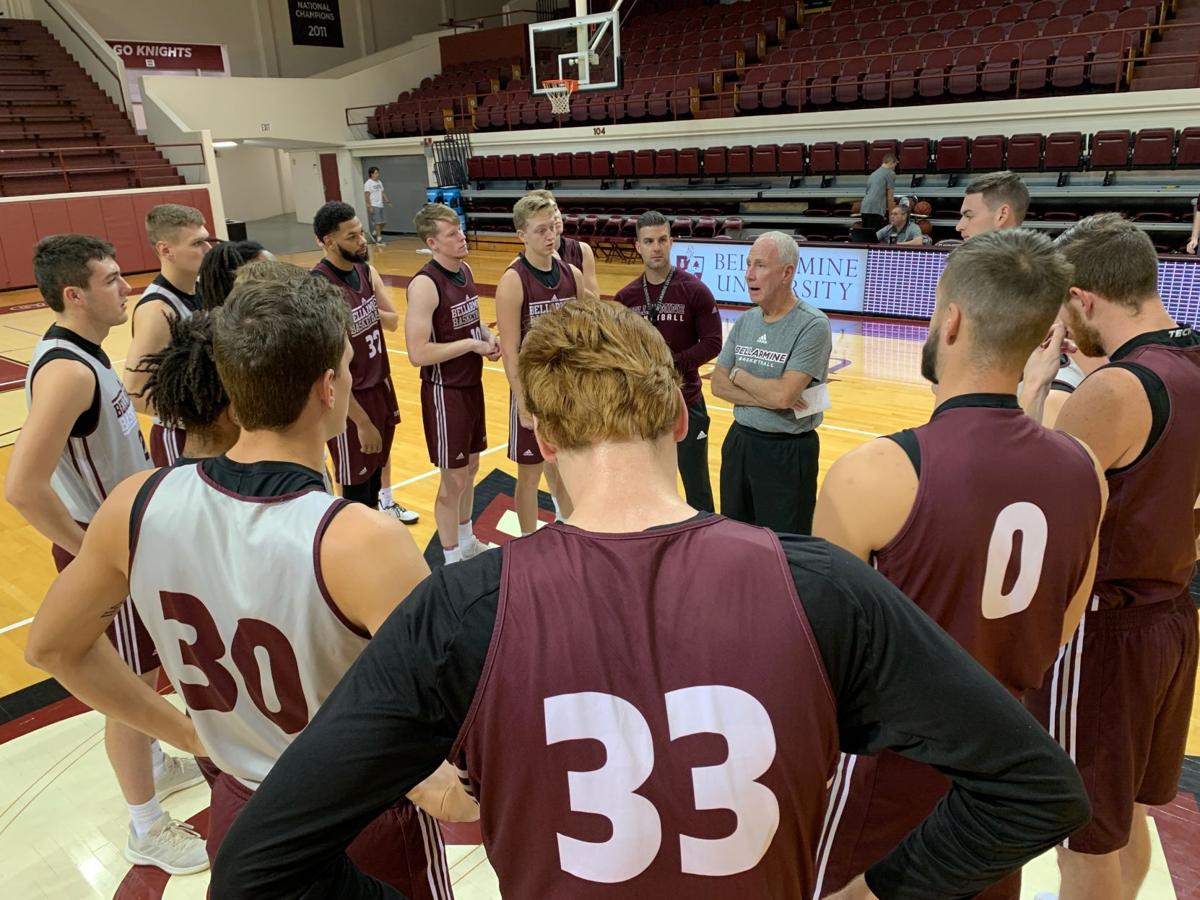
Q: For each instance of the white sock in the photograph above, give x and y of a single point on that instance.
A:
(557, 508)
(159, 758)
(452, 554)
(466, 533)
(386, 499)
(142, 816)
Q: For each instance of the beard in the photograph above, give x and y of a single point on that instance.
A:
(349, 257)
(929, 355)
(1086, 338)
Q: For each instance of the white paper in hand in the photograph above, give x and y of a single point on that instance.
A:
(816, 399)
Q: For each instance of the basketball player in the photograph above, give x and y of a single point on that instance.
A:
(180, 241)
(605, 704)
(80, 441)
(274, 572)
(444, 336)
(1120, 695)
(937, 510)
(361, 452)
(993, 201)
(682, 308)
(220, 267)
(536, 283)
(571, 251)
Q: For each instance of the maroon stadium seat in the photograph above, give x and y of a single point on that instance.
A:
(823, 158)
(562, 165)
(979, 18)
(1025, 30)
(475, 168)
(491, 167)
(1189, 148)
(991, 35)
(997, 74)
(913, 155)
(1025, 152)
(1034, 73)
(508, 166)
(740, 159)
(988, 152)
(846, 88)
(581, 165)
(904, 76)
(688, 162)
(878, 150)
(765, 160)
(820, 89)
(852, 158)
(932, 83)
(1154, 147)
(681, 227)
(791, 159)
(963, 80)
(623, 164)
(1041, 11)
(952, 154)
(1064, 151)
(666, 163)
(643, 163)
(1009, 13)
(571, 224)
(705, 227)
(716, 161)
(1110, 149)
(543, 165)
(601, 164)
(1060, 27)
(1108, 62)
(875, 83)
(1070, 63)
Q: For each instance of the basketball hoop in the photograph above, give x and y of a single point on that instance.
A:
(559, 90)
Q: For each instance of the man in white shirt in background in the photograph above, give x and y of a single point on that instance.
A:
(376, 198)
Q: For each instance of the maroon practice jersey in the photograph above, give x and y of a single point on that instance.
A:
(456, 318)
(370, 366)
(570, 252)
(1148, 541)
(1000, 534)
(543, 292)
(654, 718)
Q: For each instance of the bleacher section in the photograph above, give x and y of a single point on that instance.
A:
(58, 131)
(813, 190)
(764, 56)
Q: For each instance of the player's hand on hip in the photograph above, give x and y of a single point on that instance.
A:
(1191, 245)
(190, 742)
(1045, 361)
(369, 438)
(855, 890)
(443, 796)
(524, 418)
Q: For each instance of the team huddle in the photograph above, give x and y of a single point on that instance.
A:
(987, 648)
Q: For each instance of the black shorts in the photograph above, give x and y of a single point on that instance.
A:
(770, 479)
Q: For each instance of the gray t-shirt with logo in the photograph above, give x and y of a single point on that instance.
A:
(889, 235)
(799, 342)
(875, 199)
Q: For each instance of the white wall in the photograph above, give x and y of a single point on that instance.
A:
(308, 192)
(251, 183)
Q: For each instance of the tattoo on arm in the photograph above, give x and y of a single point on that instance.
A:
(112, 611)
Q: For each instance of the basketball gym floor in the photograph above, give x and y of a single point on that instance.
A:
(62, 820)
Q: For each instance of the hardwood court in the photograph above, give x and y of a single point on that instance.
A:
(61, 818)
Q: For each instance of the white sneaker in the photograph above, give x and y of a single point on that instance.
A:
(407, 516)
(170, 845)
(473, 549)
(179, 773)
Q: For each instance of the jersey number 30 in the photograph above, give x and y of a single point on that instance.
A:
(254, 640)
(611, 791)
(1030, 521)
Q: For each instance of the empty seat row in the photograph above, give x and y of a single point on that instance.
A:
(1157, 148)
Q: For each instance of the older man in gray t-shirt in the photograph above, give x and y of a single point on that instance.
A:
(774, 352)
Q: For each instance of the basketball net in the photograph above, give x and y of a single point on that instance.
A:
(559, 91)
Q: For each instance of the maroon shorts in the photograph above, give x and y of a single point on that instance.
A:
(402, 848)
(1119, 700)
(455, 423)
(874, 803)
(125, 631)
(350, 464)
(166, 444)
(522, 445)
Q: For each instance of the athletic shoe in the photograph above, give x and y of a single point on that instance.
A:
(407, 516)
(178, 774)
(170, 845)
(473, 549)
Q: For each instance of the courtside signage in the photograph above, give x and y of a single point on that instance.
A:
(829, 278)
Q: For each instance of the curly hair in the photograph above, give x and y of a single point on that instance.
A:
(183, 385)
(220, 265)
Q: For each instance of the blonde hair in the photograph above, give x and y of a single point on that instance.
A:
(427, 218)
(542, 192)
(268, 271)
(595, 371)
(529, 206)
(164, 221)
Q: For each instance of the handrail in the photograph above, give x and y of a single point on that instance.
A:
(463, 23)
(83, 40)
(65, 170)
(463, 112)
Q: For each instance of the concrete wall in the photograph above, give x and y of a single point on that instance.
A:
(255, 182)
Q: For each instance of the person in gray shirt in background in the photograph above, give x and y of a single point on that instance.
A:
(774, 352)
(881, 194)
(900, 229)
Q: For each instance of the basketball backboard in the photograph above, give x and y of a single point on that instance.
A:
(586, 49)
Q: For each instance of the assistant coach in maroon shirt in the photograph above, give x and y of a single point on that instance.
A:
(682, 308)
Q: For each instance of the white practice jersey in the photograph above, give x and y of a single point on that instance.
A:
(92, 465)
(229, 587)
(183, 305)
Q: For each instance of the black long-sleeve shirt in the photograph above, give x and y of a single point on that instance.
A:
(900, 683)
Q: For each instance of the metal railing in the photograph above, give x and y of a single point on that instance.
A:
(63, 169)
(461, 111)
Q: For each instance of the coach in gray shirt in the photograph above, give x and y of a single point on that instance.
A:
(881, 194)
(773, 353)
